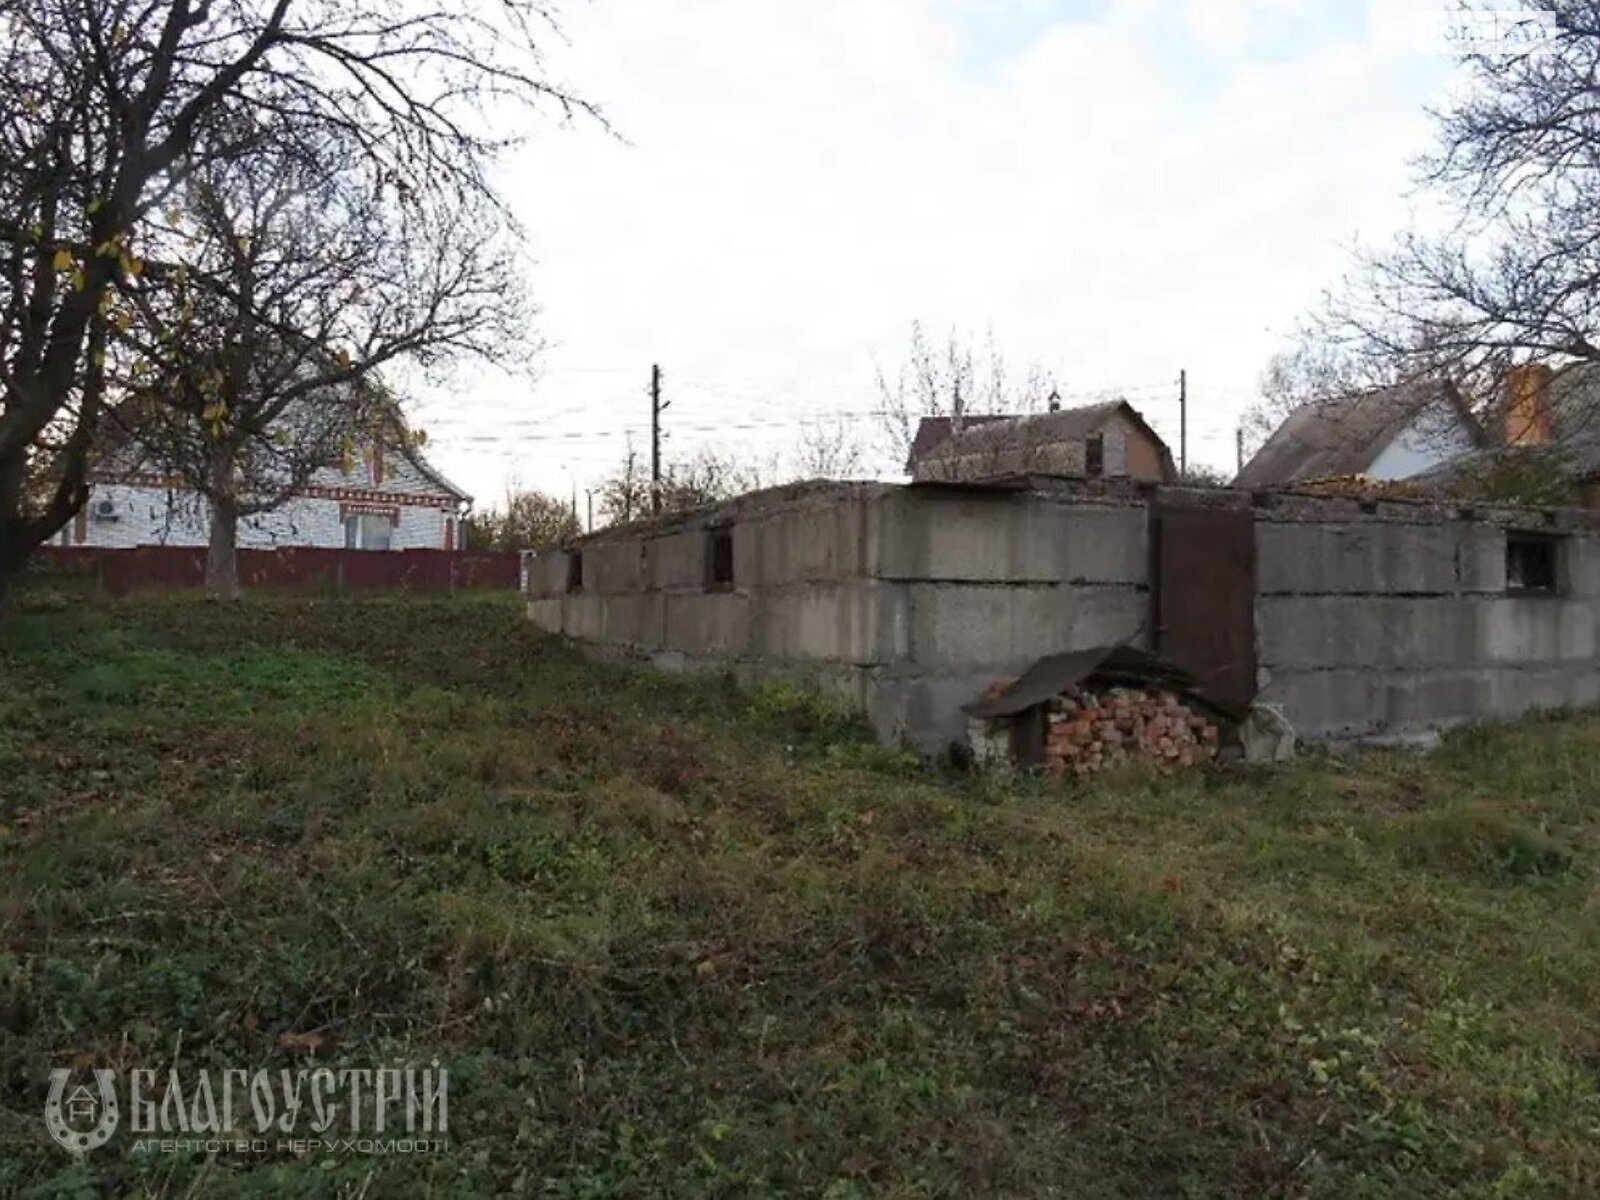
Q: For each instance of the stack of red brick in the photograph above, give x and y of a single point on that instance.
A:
(1089, 732)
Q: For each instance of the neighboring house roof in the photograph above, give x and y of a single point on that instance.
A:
(933, 430)
(119, 432)
(414, 457)
(1574, 445)
(991, 431)
(1344, 435)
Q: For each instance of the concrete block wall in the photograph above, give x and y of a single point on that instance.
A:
(1376, 626)
(1369, 619)
(992, 582)
(915, 599)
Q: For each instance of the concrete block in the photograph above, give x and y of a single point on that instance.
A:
(1325, 705)
(1008, 537)
(1334, 705)
(1006, 628)
(1537, 629)
(963, 536)
(1581, 567)
(610, 568)
(583, 615)
(712, 623)
(545, 612)
(544, 573)
(924, 711)
(1343, 705)
(1482, 558)
(816, 542)
(1358, 557)
(858, 621)
(638, 620)
(1435, 699)
(1311, 632)
(676, 561)
(1108, 616)
(1107, 545)
(1518, 691)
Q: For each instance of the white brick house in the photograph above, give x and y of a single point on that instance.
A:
(389, 499)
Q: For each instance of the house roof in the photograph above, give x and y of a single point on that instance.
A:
(414, 456)
(1344, 435)
(933, 430)
(119, 431)
(1574, 446)
(993, 431)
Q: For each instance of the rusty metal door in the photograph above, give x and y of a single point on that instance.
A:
(1204, 586)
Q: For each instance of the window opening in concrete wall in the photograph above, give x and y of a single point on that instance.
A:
(575, 571)
(1533, 562)
(719, 558)
(1094, 455)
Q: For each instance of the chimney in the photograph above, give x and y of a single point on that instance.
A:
(1055, 400)
(1527, 420)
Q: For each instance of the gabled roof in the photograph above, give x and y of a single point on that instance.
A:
(414, 457)
(118, 434)
(1574, 446)
(992, 431)
(1344, 435)
(933, 430)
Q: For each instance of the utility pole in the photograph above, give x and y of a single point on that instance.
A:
(588, 496)
(656, 409)
(957, 415)
(1183, 424)
(1238, 449)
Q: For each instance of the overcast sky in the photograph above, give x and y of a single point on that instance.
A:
(1119, 189)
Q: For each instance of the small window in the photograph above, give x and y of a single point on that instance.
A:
(1094, 455)
(368, 531)
(1532, 562)
(575, 571)
(719, 558)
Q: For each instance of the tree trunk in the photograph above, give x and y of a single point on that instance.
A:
(222, 554)
(15, 535)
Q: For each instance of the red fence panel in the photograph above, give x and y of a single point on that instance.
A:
(291, 568)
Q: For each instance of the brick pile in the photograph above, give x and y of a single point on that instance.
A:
(1089, 732)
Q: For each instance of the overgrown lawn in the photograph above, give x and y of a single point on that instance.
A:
(675, 937)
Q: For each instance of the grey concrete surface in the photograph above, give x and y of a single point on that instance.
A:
(1385, 619)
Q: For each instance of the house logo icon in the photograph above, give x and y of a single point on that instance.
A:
(79, 1117)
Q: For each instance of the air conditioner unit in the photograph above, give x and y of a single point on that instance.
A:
(106, 510)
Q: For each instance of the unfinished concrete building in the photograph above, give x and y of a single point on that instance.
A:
(1357, 618)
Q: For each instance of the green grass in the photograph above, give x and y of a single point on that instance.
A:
(673, 937)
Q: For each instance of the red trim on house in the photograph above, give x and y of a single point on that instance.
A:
(376, 510)
(449, 533)
(311, 490)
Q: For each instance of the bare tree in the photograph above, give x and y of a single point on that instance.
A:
(953, 379)
(625, 493)
(103, 105)
(828, 449)
(705, 477)
(1516, 278)
(298, 281)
